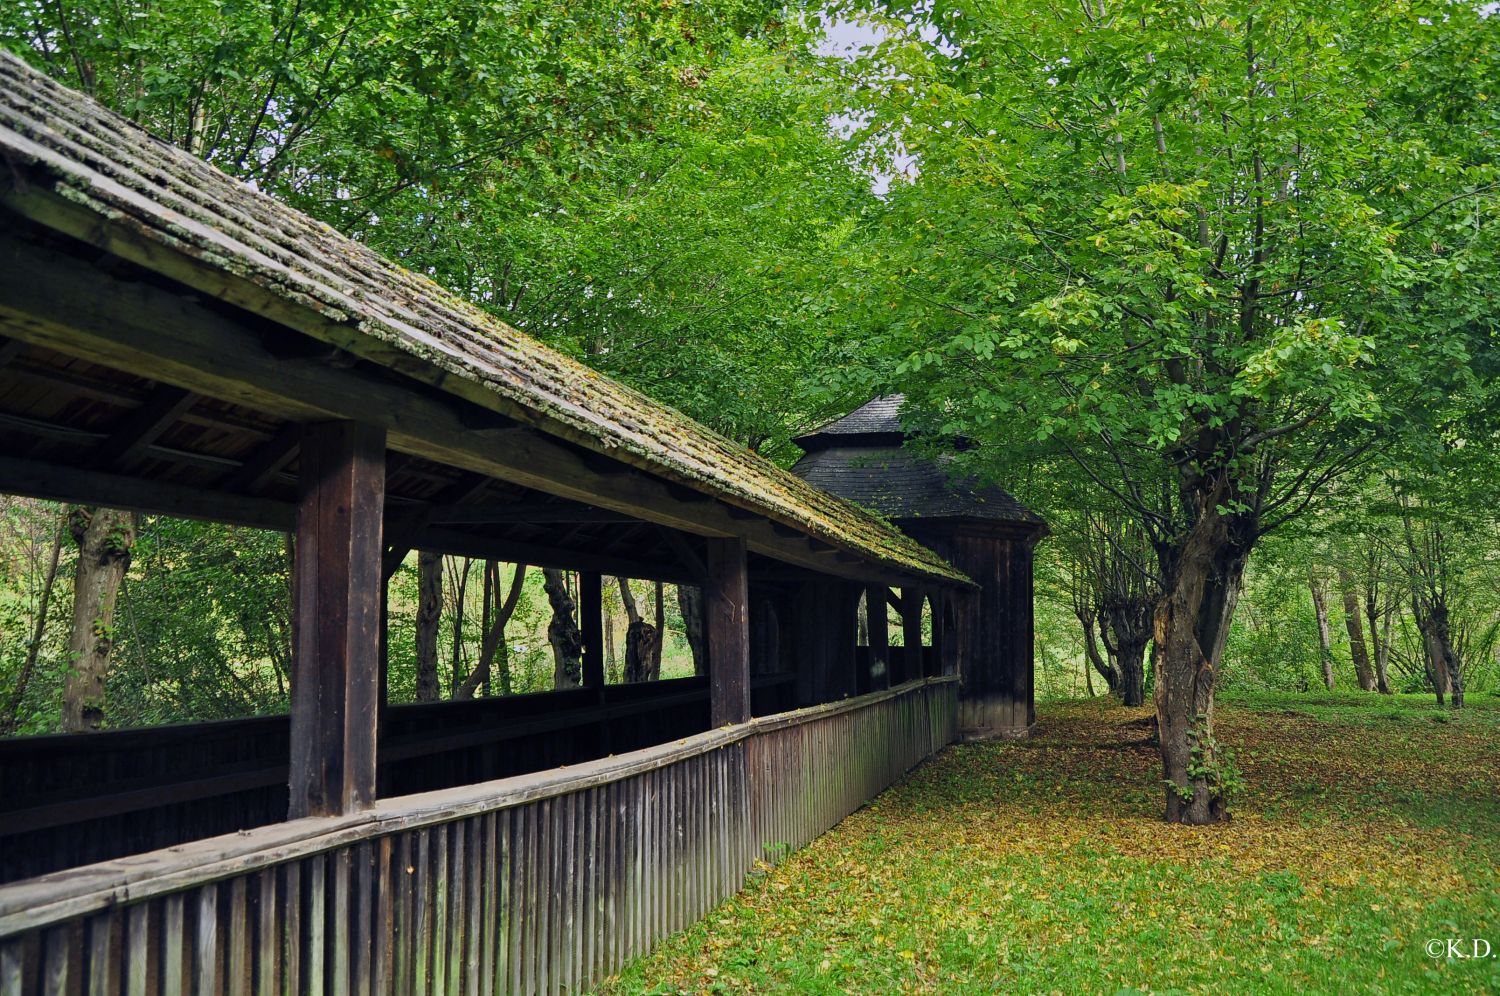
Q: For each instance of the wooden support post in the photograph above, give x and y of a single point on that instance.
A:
(911, 633)
(591, 625)
(726, 601)
(335, 680)
(880, 642)
(939, 635)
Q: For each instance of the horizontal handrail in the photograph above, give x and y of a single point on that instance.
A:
(65, 894)
(59, 808)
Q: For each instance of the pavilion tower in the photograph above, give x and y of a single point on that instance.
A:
(981, 530)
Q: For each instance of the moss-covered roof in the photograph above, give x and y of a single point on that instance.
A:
(102, 162)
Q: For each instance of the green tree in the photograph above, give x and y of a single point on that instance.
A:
(1231, 249)
(651, 187)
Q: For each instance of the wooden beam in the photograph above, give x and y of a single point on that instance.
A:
(169, 337)
(266, 462)
(878, 623)
(685, 553)
(42, 429)
(513, 551)
(940, 636)
(538, 512)
(335, 682)
(55, 482)
(403, 527)
(726, 604)
(140, 428)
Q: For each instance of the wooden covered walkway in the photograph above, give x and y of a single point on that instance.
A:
(175, 343)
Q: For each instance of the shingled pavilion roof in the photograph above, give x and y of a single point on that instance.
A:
(861, 457)
(104, 180)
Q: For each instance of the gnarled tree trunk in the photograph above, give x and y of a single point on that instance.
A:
(642, 640)
(1126, 635)
(1432, 657)
(1203, 574)
(105, 538)
(1106, 668)
(642, 652)
(1447, 660)
(563, 632)
(1132, 657)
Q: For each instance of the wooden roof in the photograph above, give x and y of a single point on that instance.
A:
(168, 224)
(861, 457)
(876, 422)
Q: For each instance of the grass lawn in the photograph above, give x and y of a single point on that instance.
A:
(1368, 826)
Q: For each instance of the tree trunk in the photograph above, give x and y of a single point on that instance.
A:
(1357, 650)
(1201, 593)
(1437, 674)
(1380, 634)
(661, 630)
(1132, 658)
(1442, 638)
(690, 604)
(1106, 670)
(105, 538)
(642, 646)
(611, 659)
(502, 667)
(563, 632)
(1325, 641)
(12, 716)
(642, 640)
(460, 607)
(1125, 624)
(429, 613)
(492, 645)
(1383, 653)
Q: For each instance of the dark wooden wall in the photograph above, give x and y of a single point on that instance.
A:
(70, 800)
(993, 628)
(821, 643)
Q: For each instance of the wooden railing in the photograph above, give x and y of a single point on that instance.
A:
(537, 883)
(68, 800)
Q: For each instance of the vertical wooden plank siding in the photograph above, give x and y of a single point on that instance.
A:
(532, 893)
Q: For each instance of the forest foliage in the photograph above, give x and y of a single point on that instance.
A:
(1210, 288)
